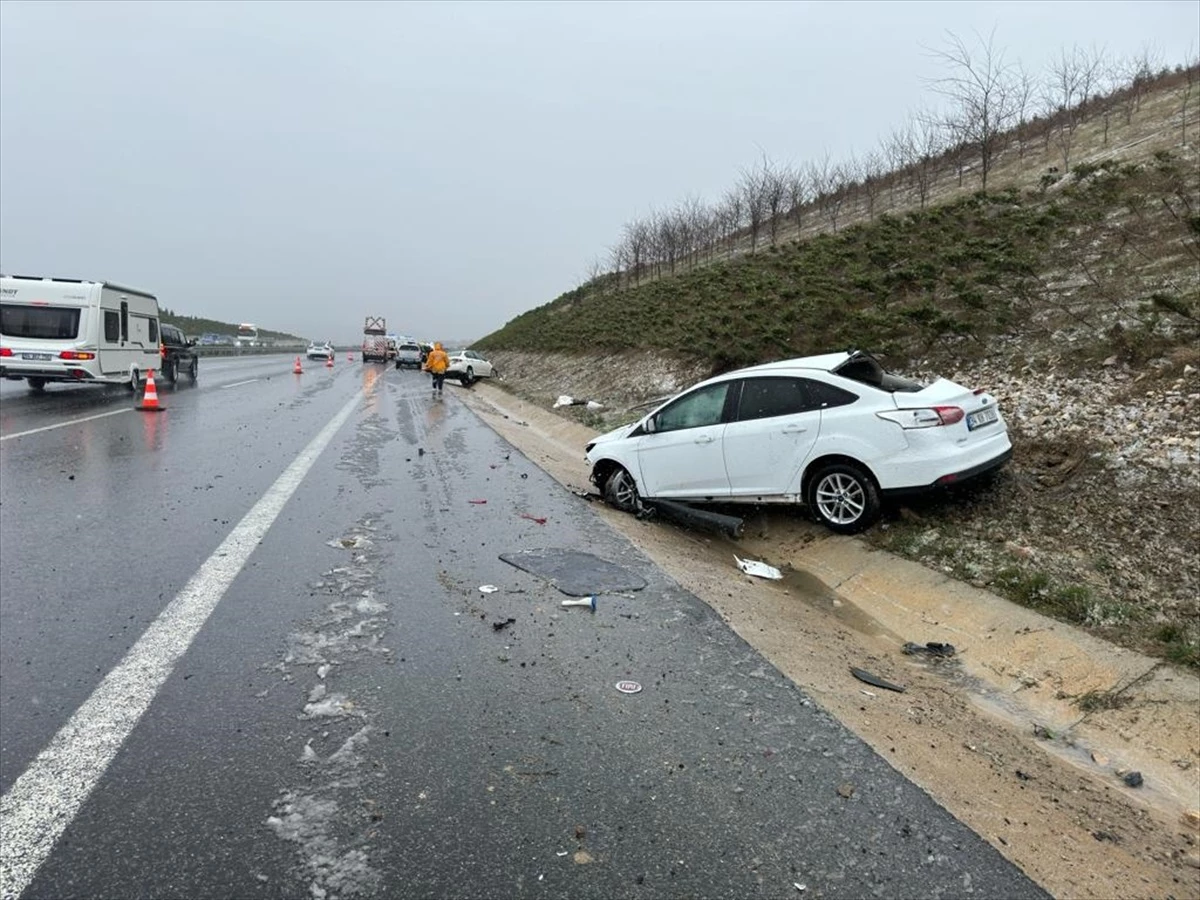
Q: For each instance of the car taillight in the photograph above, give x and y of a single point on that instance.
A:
(162, 350)
(76, 354)
(5, 351)
(930, 417)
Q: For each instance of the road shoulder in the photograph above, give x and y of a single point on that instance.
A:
(1051, 798)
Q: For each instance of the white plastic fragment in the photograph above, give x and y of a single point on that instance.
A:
(563, 400)
(800, 887)
(761, 569)
(488, 589)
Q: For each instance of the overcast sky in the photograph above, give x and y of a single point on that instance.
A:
(449, 165)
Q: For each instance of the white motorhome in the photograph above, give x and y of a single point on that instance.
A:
(66, 329)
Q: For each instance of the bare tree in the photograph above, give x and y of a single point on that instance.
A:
(919, 147)
(869, 172)
(981, 85)
(754, 200)
(1192, 74)
(829, 186)
(1073, 76)
(1023, 88)
(797, 195)
(774, 193)
(1139, 72)
(732, 216)
(637, 248)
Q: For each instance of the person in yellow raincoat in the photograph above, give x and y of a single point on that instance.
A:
(436, 364)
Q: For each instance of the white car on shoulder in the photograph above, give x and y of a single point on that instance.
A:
(468, 366)
(835, 432)
(319, 351)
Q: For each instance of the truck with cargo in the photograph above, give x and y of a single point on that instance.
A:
(375, 340)
(76, 331)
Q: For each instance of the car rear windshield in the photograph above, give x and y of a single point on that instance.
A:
(864, 368)
(413, 347)
(46, 322)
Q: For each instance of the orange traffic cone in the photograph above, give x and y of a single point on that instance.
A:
(329, 362)
(297, 370)
(150, 398)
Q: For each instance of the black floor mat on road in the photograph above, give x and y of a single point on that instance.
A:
(574, 573)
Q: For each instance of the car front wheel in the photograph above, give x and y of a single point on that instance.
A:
(621, 491)
(193, 370)
(843, 498)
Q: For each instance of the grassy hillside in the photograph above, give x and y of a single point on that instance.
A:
(1109, 256)
(1104, 259)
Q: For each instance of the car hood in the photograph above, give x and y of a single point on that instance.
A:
(615, 435)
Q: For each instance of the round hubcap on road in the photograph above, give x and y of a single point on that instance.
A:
(840, 498)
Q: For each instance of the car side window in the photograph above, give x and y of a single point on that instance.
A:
(699, 408)
(765, 398)
(826, 396)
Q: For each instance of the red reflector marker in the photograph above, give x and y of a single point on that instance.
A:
(6, 351)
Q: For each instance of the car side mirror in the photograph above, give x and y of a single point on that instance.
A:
(192, 342)
(651, 425)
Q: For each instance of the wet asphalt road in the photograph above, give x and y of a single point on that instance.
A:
(351, 721)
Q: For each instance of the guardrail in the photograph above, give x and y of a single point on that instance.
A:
(227, 350)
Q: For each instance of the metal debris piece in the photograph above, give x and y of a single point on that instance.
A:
(868, 678)
(932, 648)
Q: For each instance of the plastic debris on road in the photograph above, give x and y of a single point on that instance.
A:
(488, 589)
(589, 602)
(628, 687)
(477, 502)
(541, 520)
(761, 569)
(932, 648)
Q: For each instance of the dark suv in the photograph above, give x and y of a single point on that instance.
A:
(178, 353)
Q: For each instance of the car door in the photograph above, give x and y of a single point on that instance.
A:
(774, 428)
(483, 368)
(681, 455)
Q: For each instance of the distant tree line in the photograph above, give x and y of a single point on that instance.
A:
(991, 107)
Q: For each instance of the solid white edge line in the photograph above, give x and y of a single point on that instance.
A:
(115, 412)
(226, 387)
(45, 799)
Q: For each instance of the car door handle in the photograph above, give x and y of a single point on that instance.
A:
(704, 439)
(794, 429)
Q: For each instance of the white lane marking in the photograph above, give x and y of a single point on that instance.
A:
(43, 801)
(115, 412)
(238, 383)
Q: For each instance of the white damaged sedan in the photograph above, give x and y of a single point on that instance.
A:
(836, 432)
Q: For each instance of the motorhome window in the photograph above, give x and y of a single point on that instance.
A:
(124, 321)
(112, 326)
(154, 331)
(45, 322)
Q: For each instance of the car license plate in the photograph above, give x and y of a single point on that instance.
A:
(38, 356)
(982, 417)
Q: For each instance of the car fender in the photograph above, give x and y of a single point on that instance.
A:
(844, 448)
